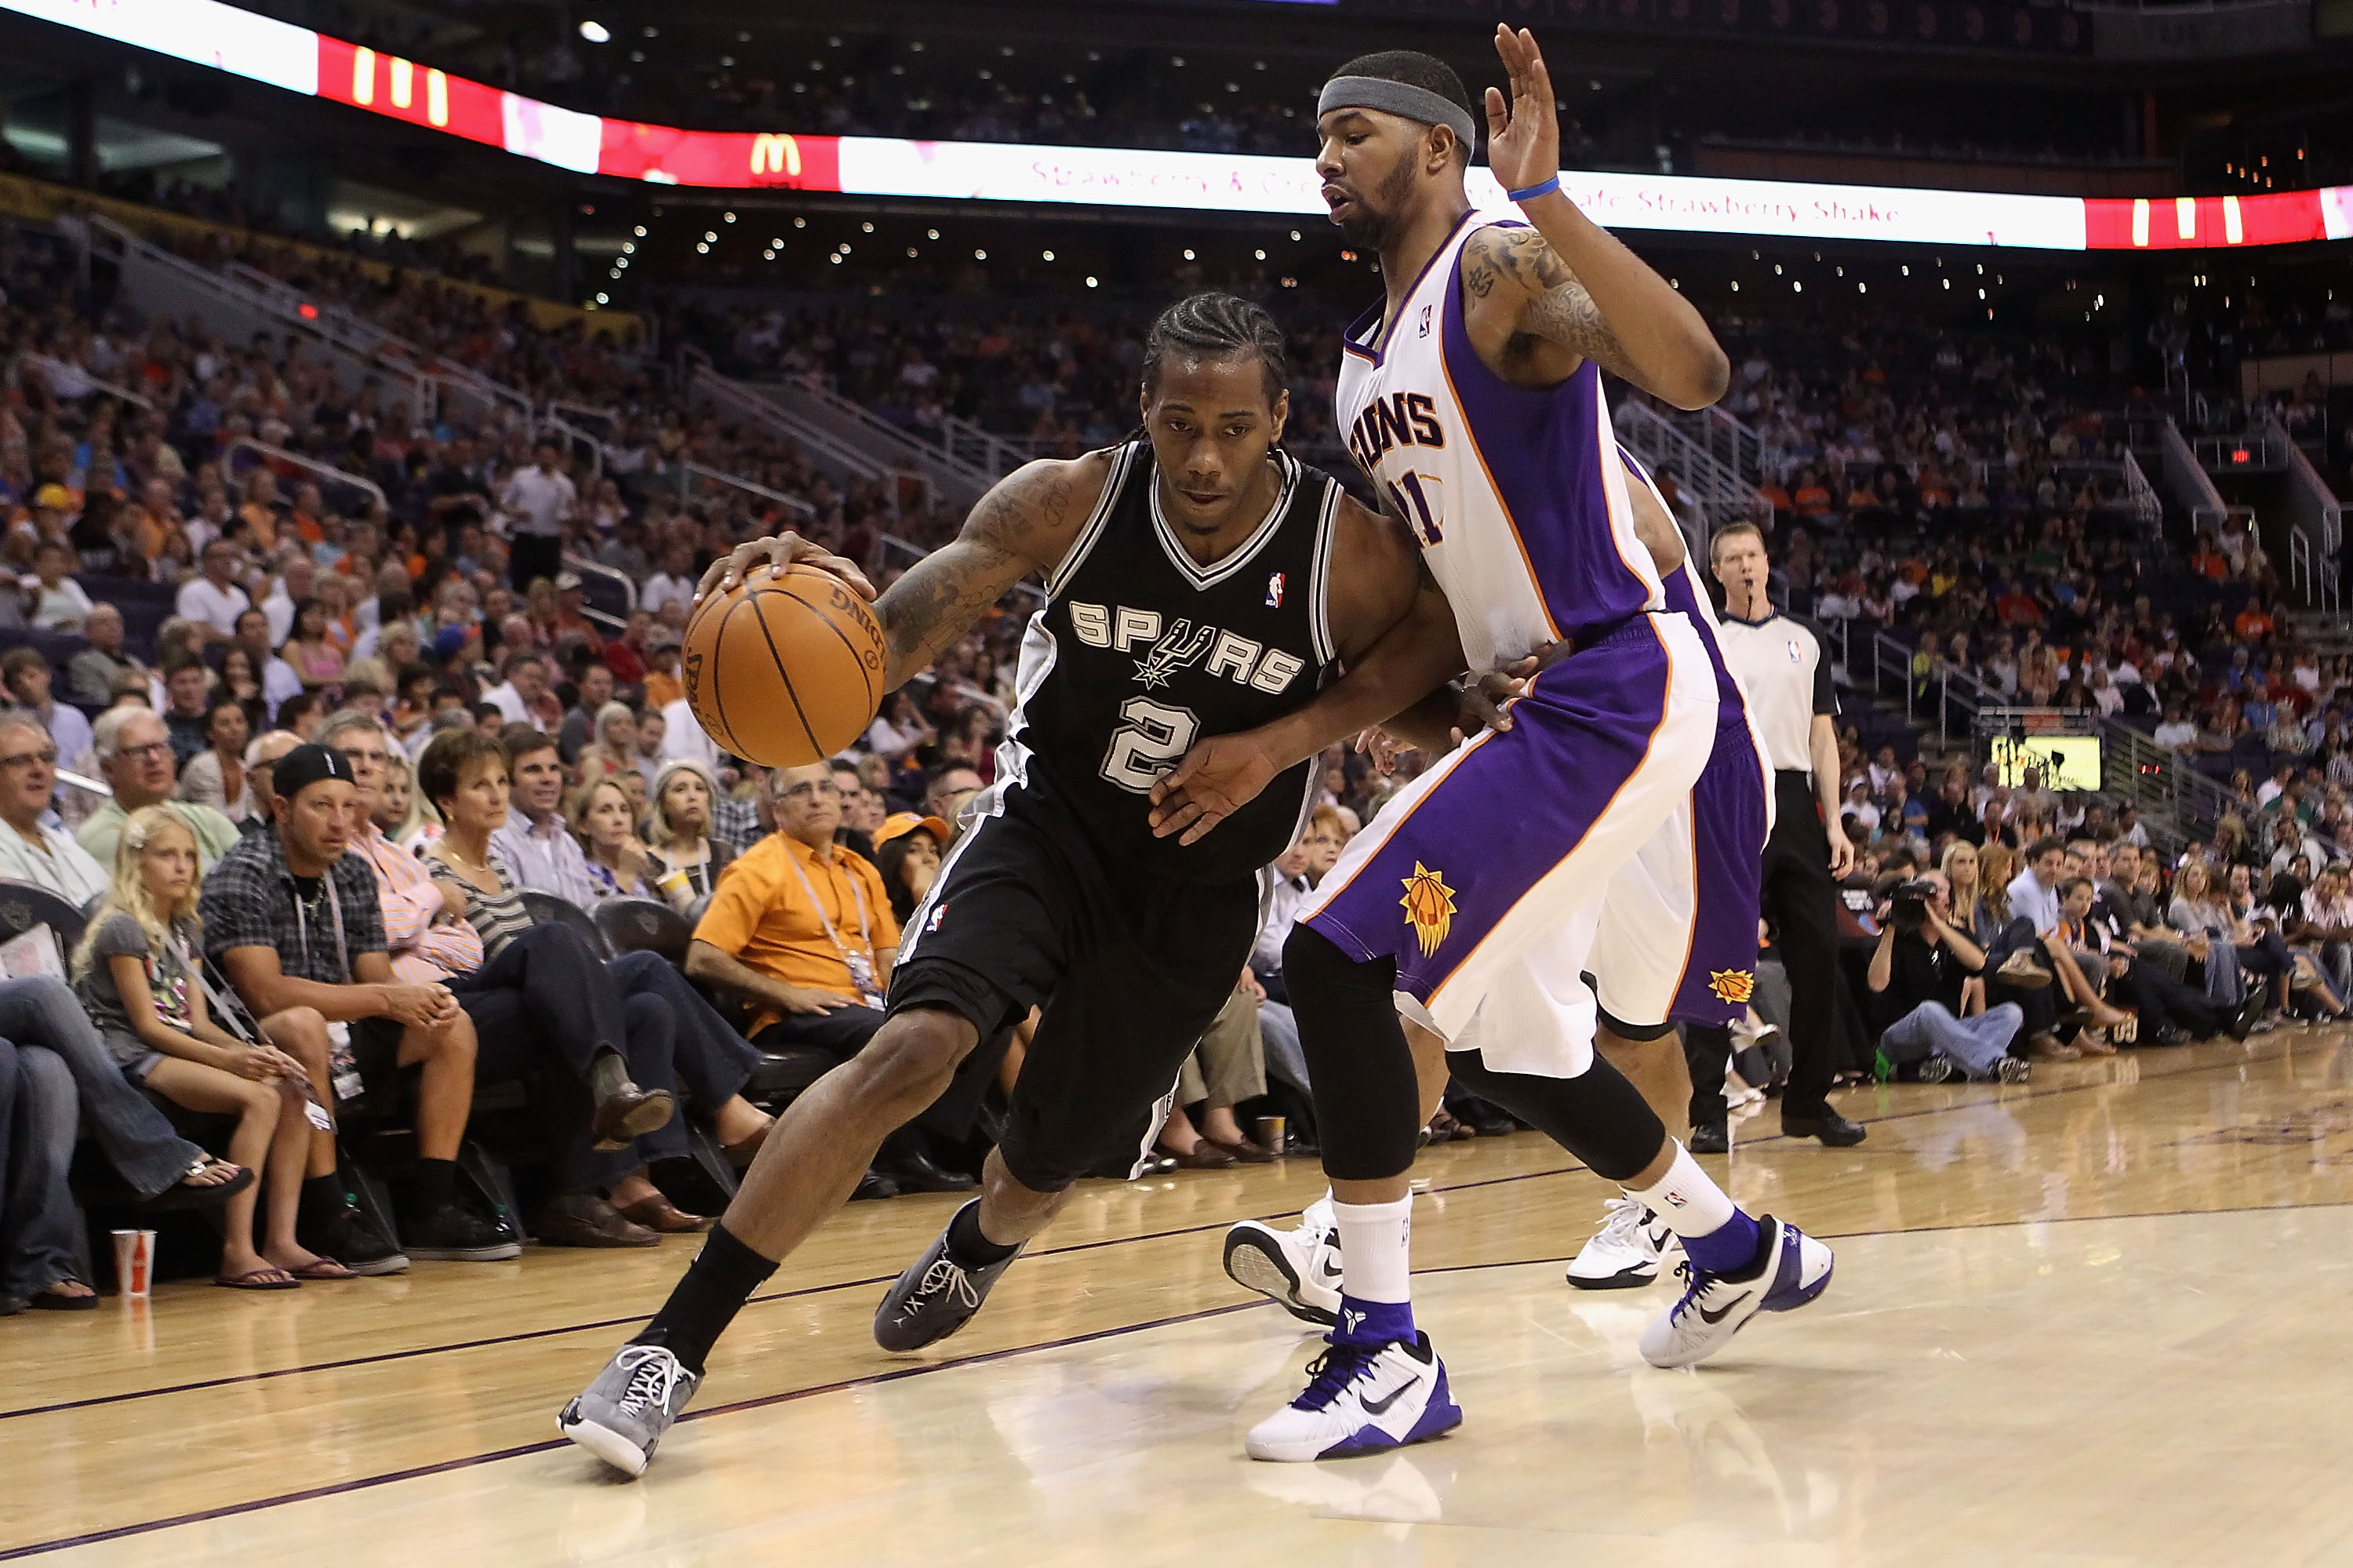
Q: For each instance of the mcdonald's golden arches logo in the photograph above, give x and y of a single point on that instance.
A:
(775, 155)
(401, 78)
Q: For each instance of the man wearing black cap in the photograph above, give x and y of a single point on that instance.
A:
(294, 923)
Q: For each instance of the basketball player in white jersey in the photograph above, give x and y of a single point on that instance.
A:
(1676, 944)
(1474, 397)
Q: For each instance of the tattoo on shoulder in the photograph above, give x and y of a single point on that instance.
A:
(1560, 311)
(1479, 271)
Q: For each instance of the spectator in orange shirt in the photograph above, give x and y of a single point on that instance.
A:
(663, 685)
(2253, 623)
(305, 516)
(260, 509)
(1811, 499)
(158, 519)
(802, 928)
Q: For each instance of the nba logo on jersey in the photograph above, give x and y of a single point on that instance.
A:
(1425, 321)
(1795, 656)
(1274, 591)
(938, 915)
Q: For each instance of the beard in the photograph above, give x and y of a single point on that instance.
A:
(1379, 214)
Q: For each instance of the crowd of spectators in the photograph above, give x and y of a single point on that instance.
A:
(343, 738)
(1970, 501)
(403, 611)
(1058, 383)
(1981, 954)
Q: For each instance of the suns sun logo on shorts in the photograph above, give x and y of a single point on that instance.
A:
(1429, 907)
(1735, 986)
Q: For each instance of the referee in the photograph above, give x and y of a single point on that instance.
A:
(1781, 667)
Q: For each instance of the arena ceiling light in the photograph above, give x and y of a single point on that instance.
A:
(593, 31)
(264, 50)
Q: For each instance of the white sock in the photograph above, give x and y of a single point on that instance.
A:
(1686, 1199)
(1374, 1241)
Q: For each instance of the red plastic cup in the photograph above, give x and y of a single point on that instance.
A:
(135, 1264)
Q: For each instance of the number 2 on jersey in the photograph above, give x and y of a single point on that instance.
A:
(1421, 514)
(1149, 744)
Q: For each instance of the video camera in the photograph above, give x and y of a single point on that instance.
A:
(1907, 907)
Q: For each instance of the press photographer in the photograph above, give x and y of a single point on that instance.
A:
(1917, 974)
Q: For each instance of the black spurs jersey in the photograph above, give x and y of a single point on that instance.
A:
(1141, 652)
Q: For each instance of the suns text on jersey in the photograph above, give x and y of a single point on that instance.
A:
(1399, 419)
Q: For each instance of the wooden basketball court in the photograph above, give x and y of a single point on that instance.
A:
(2098, 1318)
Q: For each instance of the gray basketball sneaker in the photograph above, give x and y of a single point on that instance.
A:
(623, 1414)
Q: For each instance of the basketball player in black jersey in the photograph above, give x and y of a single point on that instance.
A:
(1200, 581)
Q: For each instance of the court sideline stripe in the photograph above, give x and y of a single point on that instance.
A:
(763, 1402)
(364, 1483)
(456, 1346)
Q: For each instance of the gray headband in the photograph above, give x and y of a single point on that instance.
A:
(1418, 103)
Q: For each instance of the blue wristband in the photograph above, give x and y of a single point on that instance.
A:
(1532, 192)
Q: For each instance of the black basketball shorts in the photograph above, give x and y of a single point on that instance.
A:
(1130, 969)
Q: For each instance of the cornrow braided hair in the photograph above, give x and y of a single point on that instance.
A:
(1219, 326)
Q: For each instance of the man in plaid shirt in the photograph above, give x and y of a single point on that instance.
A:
(736, 817)
(539, 999)
(294, 923)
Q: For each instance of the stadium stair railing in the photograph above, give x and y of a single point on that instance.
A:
(1713, 492)
(287, 464)
(2315, 524)
(961, 466)
(825, 446)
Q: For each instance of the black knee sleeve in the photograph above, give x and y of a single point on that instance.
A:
(1618, 1026)
(1597, 1116)
(1367, 1103)
(1633, 1031)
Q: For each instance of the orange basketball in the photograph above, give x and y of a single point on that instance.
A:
(786, 670)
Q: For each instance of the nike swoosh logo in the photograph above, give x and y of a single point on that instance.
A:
(1713, 1319)
(1381, 1407)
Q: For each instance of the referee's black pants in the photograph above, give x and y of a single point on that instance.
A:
(1801, 902)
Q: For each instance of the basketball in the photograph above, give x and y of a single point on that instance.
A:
(784, 670)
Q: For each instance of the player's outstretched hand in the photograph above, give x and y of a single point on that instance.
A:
(1484, 700)
(1213, 780)
(1383, 748)
(1522, 136)
(774, 553)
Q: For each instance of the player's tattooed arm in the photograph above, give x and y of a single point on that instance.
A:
(1546, 301)
(1025, 524)
(1663, 347)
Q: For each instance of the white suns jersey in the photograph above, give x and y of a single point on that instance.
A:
(1516, 496)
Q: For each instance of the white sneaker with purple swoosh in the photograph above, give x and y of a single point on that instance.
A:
(1713, 1307)
(1361, 1399)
